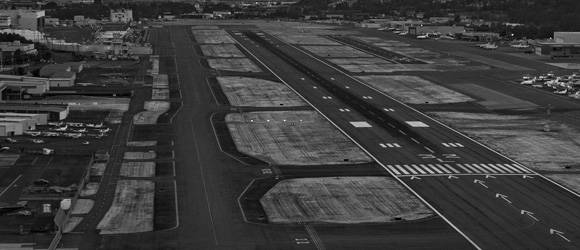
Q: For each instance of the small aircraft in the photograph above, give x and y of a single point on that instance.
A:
(520, 46)
(488, 46)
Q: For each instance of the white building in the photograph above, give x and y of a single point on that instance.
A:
(121, 16)
(23, 19)
(17, 45)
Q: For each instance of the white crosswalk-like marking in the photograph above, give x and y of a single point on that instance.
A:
(452, 145)
(389, 109)
(327, 97)
(367, 97)
(459, 168)
(390, 145)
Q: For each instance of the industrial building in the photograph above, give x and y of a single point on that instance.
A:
(55, 112)
(564, 44)
(25, 19)
(62, 75)
(39, 119)
(12, 124)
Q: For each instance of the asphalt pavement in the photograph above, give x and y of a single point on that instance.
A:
(492, 201)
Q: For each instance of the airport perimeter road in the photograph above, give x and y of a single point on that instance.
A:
(493, 202)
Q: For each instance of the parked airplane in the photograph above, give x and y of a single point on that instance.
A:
(520, 46)
(487, 46)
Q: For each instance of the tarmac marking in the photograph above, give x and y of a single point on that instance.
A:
(360, 124)
(437, 169)
(358, 144)
(327, 97)
(499, 166)
(426, 168)
(446, 169)
(344, 110)
(389, 109)
(367, 97)
(417, 124)
(10, 185)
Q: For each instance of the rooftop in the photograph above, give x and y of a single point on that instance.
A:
(33, 107)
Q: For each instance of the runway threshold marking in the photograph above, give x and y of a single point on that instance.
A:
(458, 168)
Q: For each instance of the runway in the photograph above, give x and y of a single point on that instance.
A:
(490, 200)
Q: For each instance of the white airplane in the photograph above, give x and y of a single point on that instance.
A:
(487, 46)
(520, 46)
(63, 128)
(528, 82)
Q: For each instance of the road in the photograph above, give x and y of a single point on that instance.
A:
(492, 201)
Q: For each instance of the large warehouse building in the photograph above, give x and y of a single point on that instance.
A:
(564, 44)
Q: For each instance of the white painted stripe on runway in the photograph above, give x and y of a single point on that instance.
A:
(459, 145)
(452, 168)
(417, 169)
(484, 169)
(496, 169)
(445, 144)
(426, 168)
(394, 170)
(443, 168)
(435, 168)
(465, 168)
(397, 145)
(414, 140)
(410, 169)
(402, 169)
(520, 167)
(508, 169)
(478, 169)
(382, 145)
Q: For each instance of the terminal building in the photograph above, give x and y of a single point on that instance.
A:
(564, 44)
